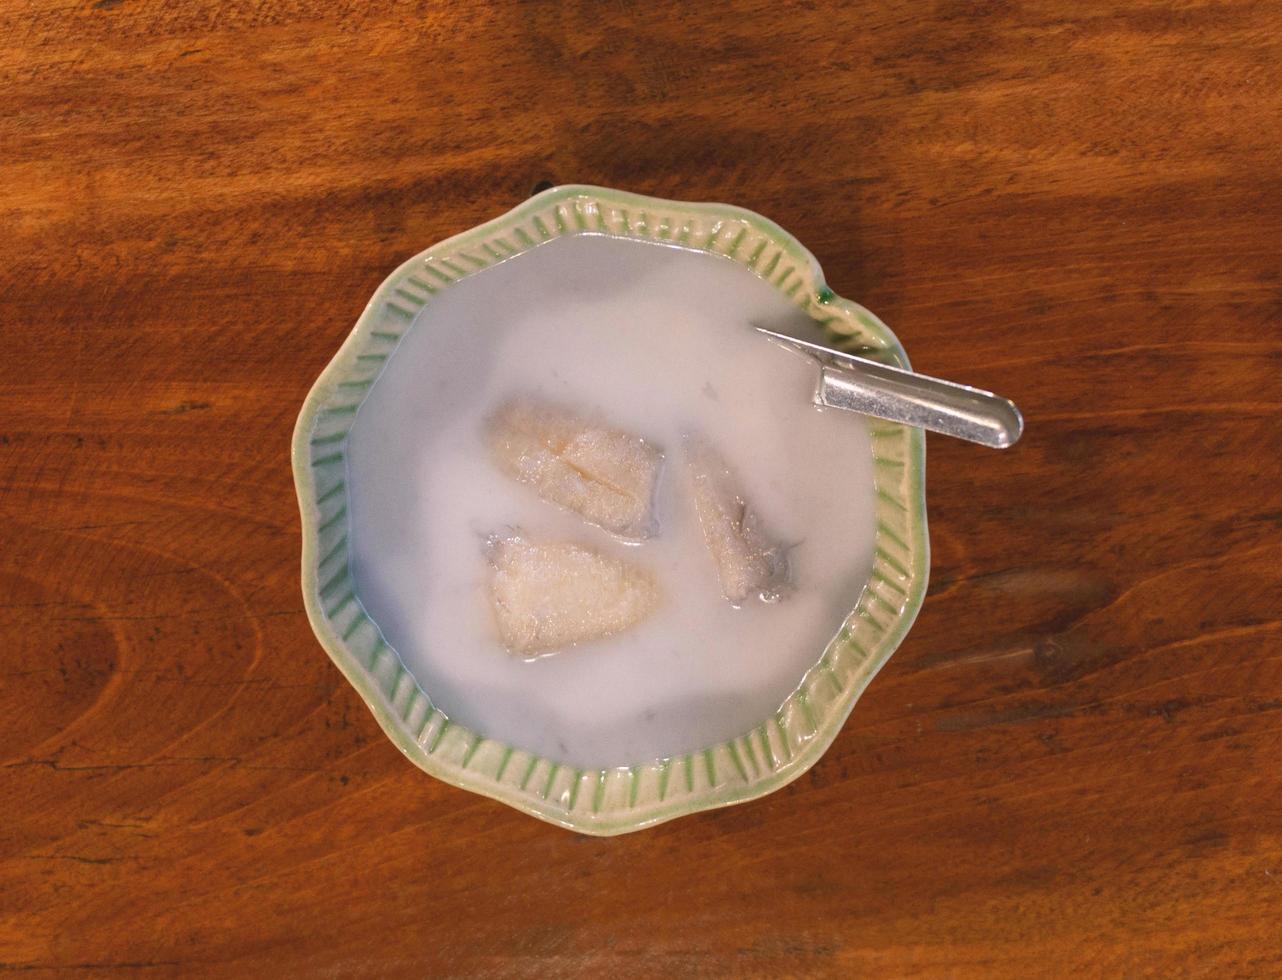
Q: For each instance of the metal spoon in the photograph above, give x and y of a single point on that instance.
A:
(857, 384)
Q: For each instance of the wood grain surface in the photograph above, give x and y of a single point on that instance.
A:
(1072, 766)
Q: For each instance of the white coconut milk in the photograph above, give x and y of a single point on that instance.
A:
(657, 340)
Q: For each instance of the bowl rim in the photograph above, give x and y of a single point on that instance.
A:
(626, 798)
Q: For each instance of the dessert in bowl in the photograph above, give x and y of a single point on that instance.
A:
(580, 536)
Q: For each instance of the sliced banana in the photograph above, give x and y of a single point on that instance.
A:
(548, 595)
(749, 562)
(606, 476)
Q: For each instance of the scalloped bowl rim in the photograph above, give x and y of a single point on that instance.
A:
(622, 799)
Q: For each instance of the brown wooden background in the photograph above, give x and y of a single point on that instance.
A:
(1072, 766)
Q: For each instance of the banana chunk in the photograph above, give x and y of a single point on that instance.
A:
(749, 563)
(551, 595)
(606, 476)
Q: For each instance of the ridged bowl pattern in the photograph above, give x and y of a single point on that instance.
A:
(626, 798)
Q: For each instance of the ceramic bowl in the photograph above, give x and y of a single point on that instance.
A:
(627, 797)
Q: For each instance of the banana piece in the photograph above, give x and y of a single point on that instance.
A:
(606, 476)
(749, 563)
(548, 595)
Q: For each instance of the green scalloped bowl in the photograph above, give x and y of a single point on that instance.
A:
(616, 800)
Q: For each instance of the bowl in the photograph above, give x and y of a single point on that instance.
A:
(622, 798)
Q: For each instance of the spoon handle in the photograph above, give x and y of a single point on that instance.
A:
(857, 384)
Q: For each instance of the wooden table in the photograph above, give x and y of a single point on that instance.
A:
(1072, 765)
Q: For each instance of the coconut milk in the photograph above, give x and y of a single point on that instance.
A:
(657, 339)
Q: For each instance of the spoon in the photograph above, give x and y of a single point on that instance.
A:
(857, 384)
